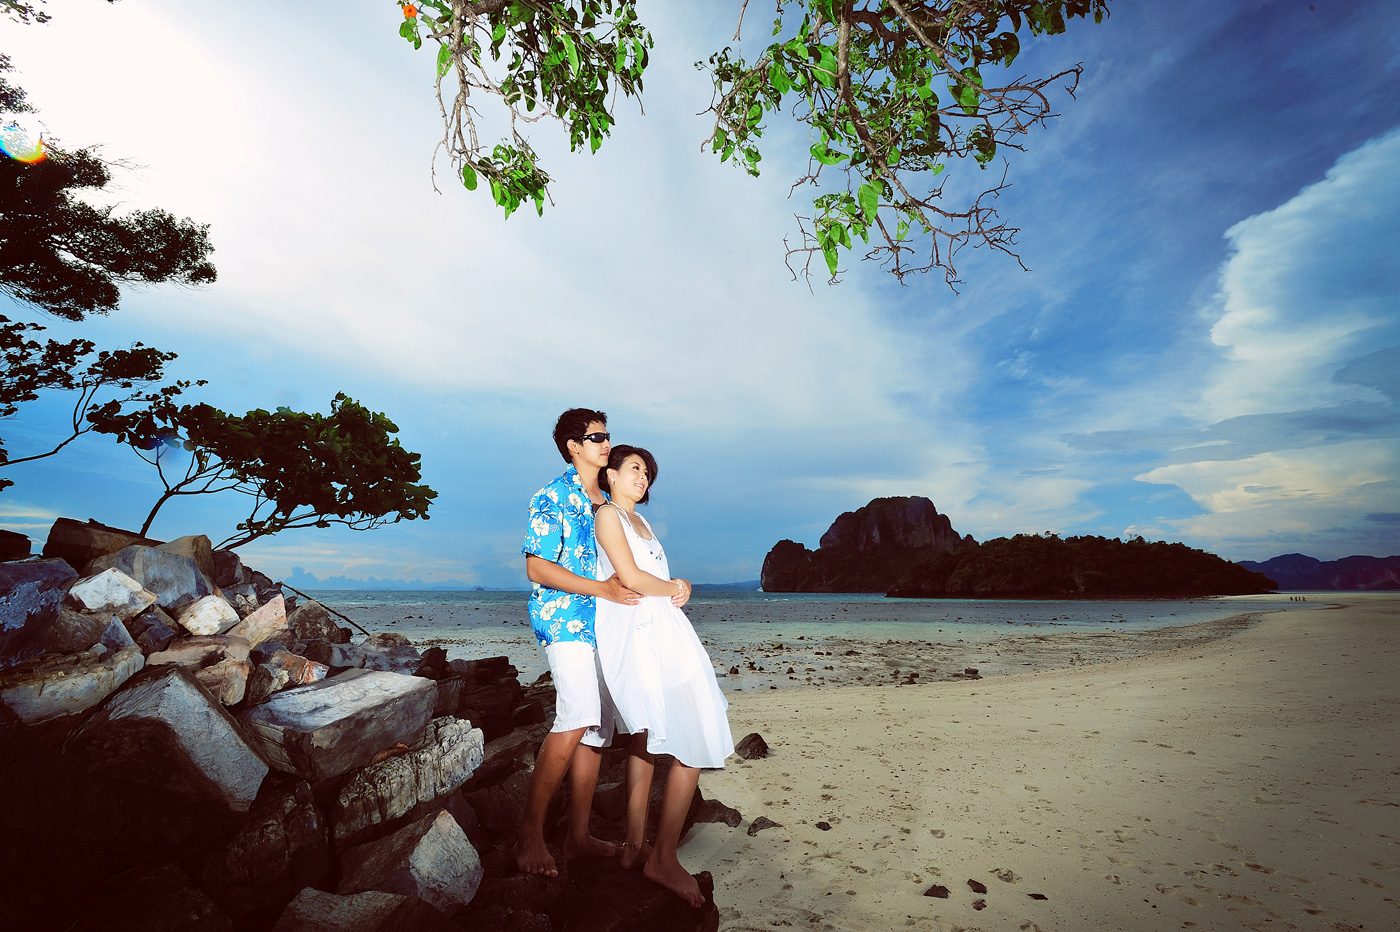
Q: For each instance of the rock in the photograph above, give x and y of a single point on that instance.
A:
(444, 759)
(751, 747)
(263, 681)
(226, 680)
(156, 638)
(13, 546)
(866, 550)
(30, 596)
(299, 670)
(80, 544)
(433, 664)
(501, 805)
(762, 822)
(159, 899)
(937, 890)
(431, 859)
(199, 652)
(712, 810)
(336, 656)
(490, 708)
(197, 548)
(74, 632)
(281, 848)
(391, 652)
(977, 886)
(174, 578)
(372, 911)
(165, 730)
(111, 591)
(605, 898)
(229, 569)
(263, 623)
(45, 689)
(209, 615)
(115, 636)
(310, 620)
(338, 725)
(979, 904)
(824, 826)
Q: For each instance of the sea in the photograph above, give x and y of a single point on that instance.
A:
(482, 622)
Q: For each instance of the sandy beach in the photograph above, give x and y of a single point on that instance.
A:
(1245, 782)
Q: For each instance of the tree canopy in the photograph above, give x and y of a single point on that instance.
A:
(298, 469)
(892, 92)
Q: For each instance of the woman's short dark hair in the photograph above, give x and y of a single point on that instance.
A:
(571, 425)
(615, 459)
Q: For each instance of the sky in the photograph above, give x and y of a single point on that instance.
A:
(1205, 347)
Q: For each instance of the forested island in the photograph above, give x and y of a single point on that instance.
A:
(903, 547)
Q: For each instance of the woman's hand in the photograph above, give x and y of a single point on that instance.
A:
(682, 597)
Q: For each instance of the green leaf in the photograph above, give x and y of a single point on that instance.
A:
(444, 58)
(572, 51)
(469, 177)
(841, 234)
(829, 252)
(755, 113)
(869, 201)
(777, 77)
(826, 156)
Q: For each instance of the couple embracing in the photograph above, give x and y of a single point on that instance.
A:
(623, 657)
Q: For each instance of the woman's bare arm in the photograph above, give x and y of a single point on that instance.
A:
(551, 574)
(607, 525)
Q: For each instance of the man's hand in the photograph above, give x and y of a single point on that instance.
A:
(682, 597)
(615, 591)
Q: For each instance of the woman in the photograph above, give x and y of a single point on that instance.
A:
(656, 670)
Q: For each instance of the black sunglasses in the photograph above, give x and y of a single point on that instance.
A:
(597, 437)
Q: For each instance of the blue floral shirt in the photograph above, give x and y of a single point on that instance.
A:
(561, 531)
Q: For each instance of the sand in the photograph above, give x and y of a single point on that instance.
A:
(1250, 782)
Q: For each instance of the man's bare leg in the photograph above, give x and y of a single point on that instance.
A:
(583, 779)
(551, 763)
(640, 767)
(664, 866)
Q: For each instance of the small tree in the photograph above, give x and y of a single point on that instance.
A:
(300, 470)
(31, 367)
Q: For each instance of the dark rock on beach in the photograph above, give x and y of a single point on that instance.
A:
(751, 747)
(762, 822)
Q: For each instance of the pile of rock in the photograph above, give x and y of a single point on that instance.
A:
(181, 743)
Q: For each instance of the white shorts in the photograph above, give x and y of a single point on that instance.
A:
(581, 698)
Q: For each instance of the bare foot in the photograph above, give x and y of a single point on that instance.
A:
(532, 857)
(591, 848)
(635, 856)
(676, 879)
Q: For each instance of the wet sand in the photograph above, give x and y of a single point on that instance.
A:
(1250, 781)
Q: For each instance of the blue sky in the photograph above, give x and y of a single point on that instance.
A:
(1205, 349)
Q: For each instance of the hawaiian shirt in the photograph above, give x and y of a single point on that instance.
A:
(561, 531)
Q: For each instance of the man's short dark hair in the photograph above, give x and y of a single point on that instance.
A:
(571, 425)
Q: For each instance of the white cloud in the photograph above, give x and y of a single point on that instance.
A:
(1311, 284)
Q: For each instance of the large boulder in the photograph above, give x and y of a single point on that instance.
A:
(336, 656)
(57, 685)
(340, 724)
(13, 546)
(227, 680)
(431, 859)
(197, 548)
(173, 577)
(115, 635)
(280, 848)
(229, 569)
(199, 652)
(391, 652)
(165, 730)
(208, 615)
(80, 543)
(74, 632)
(159, 899)
(310, 620)
(113, 591)
(263, 623)
(372, 911)
(448, 755)
(30, 596)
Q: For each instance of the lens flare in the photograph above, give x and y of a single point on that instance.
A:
(22, 145)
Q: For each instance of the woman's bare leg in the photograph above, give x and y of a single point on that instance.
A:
(664, 866)
(640, 767)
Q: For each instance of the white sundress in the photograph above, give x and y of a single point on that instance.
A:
(657, 671)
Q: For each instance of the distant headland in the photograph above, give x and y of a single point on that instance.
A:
(903, 547)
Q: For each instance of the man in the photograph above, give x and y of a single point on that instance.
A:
(561, 559)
